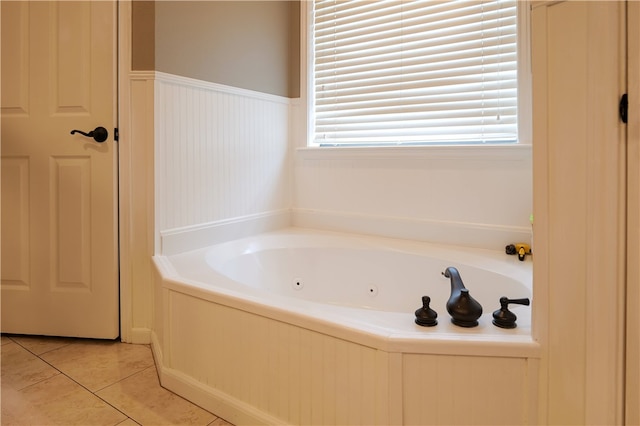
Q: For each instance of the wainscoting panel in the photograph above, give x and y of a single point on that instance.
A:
(276, 371)
(221, 152)
(251, 368)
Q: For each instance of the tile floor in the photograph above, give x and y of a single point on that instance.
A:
(63, 381)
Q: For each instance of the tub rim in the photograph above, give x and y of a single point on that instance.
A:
(443, 339)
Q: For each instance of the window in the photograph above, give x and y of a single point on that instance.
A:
(412, 72)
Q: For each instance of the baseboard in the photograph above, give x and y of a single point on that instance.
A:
(138, 336)
(156, 349)
(179, 240)
(212, 400)
(441, 232)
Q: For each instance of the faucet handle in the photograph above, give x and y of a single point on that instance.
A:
(503, 317)
(523, 301)
(425, 316)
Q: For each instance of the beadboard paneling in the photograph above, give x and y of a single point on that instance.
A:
(251, 369)
(441, 390)
(221, 152)
(295, 375)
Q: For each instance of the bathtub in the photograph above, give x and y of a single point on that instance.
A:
(309, 327)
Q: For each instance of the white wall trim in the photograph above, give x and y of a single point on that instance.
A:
(478, 235)
(222, 88)
(124, 155)
(142, 75)
(178, 240)
(207, 397)
(135, 124)
(477, 153)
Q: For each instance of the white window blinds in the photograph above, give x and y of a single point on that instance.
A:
(409, 72)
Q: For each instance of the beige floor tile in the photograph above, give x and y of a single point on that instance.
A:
(21, 368)
(96, 364)
(42, 344)
(143, 399)
(4, 340)
(56, 401)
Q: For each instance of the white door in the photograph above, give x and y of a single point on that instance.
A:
(59, 218)
(632, 379)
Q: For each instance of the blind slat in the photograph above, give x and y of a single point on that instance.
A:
(411, 71)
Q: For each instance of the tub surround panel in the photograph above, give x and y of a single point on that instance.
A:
(445, 339)
(177, 240)
(221, 152)
(470, 390)
(188, 238)
(291, 374)
(479, 196)
(275, 373)
(444, 232)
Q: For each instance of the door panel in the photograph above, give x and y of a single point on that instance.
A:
(59, 229)
(15, 223)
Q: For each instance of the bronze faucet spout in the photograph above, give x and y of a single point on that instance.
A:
(463, 308)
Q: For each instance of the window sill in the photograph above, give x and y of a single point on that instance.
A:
(509, 152)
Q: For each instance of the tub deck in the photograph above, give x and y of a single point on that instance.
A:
(259, 356)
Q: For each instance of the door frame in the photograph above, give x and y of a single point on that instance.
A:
(136, 188)
(124, 160)
(632, 364)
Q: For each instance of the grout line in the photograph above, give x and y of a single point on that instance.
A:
(124, 378)
(30, 351)
(98, 390)
(95, 394)
(60, 372)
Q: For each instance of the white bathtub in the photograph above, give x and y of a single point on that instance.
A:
(285, 311)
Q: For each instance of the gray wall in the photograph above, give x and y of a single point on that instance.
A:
(247, 44)
(143, 32)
